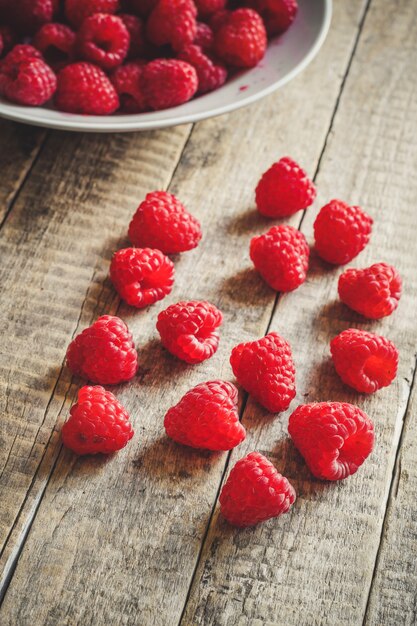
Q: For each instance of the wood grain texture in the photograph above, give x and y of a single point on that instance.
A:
(137, 520)
(315, 565)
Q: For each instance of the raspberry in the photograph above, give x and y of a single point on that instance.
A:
(127, 82)
(210, 75)
(206, 8)
(240, 40)
(204, 36)
(172, 22)
(206, 417)
(161, 221)
(142, 7)
(255, 492)
(278, 15)
(30, 82)
(136, 31)
(142, 276)
(334, 438)
(284, 189)
(364, 361)
(56, 42)
(189, 330)
(265, 369)
(77, 10)
(281, 257)
(7, 39)
(104, 40)
(373, 292)
(84, 88)
(98, 423)
(104, 352)
(341, 232)
(168, 83)
(29, 15)
(9, 66)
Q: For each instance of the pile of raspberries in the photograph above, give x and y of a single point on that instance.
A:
(334, 438)
(100, 56)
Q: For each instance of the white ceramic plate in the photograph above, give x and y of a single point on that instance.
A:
(285, 58)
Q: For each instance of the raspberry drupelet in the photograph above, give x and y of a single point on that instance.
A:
(373, 292)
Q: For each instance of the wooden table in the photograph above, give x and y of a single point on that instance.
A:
(137, 538)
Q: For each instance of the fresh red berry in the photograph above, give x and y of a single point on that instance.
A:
(141, 276)
(98, 423)
(373, 292)
(30, 82)
(206, 417)
(265, 369)
(77, 11)
(136, 31)
(204, 36)
(334, 438)
(210, 75)
(141, 7)
(281, 257)
(29, 15)
(104, 40)
(206, 8)
(284, 189)
(127, 82)
(104, 352)
(85, 88)
(172, 22)
(364, 361)
(341, 232)
(9, 66)
(56, 42)
(278, 15)
(255, 492)
(189, 330)
(168, 83)
(240, 40)
(161, 221)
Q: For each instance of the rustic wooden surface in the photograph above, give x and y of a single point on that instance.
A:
(137, 539)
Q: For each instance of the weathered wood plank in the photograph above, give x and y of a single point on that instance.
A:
(138, 520)
(393, 597)
(315, 565)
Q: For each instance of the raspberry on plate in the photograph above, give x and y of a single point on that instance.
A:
(364, 361)
(189, 330)
(56, 42)
(104, 352)
(334, 438)
(30, 82)
(284, 189)
(206, 417)
(104, 40)
(255, 492)
(161, 221)
(265, 369)
(341, 232)
(142, 276)
(20, 52)
(278, 15)
(172, 22)
(281, 257)
(206, 8)
(373, 292)
(204, 36)
(77, 10)
(136, 31)
(98, 423)
(240, 38)
(127, 82)
(29, 15)
(85, 88)
(168, 83)
(211, 75)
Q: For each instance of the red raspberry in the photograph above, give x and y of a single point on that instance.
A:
(142, 276)
(7, 39)
(206, 417)
(265, 369)
(136, 31)
(98, 423)
(168, 83)
(77, 10)
(334, 438)
(142, 7)
(189, 330)
(161, 221)
(57, 44)
(210, 75)
(278, 15)
(127, 82)
(104, 352)
(364, 361)
(284, 189)
(341, 232)
(104, 40)
(206, 8)
(204, 36)
(172, 22)
(374, 291)
(9, 66)
(240, 40)
(84, 88)
(281, 257)
(30, 82)
(255, 492)
(29, 15)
